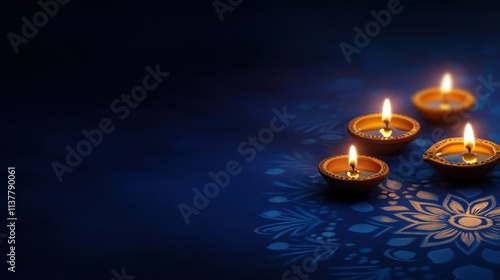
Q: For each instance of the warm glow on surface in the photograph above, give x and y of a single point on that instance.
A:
(386, 111)
(446, 84)
(353, 157)
(469, 141)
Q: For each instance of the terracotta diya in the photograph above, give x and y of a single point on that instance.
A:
(465, 157)
(383, 133)
(443, 104)
(353, 173)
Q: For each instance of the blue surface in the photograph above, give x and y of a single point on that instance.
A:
(119, 209)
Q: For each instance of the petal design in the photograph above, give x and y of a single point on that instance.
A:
(445, 234)
(455, 204)
(491, 236)
(423, 228)
(431, 226)
(289, 222)
(395, 208)
(437, 211)
(418, 217)
(456, 220)
(432, 240)
(493, 213)
(480, 206)
(383, 219)
(426, 218)
(467, 238)
(430, 209)
(469, 242)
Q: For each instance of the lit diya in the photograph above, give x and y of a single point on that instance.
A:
(383, 133)
(465, 157)
(353, 173)
(445, 103)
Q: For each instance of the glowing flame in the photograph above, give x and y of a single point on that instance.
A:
(353, 157)
(446, 84)
(386, 112)
(469, 141)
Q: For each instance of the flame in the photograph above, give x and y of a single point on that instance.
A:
(386, 112)
(446, 84)
(469, 141)
(353, 157)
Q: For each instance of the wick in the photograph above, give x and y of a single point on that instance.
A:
(468, 149)
(352, 166)
(386, 124)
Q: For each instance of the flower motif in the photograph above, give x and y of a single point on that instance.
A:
(468, 224)
(291, 222)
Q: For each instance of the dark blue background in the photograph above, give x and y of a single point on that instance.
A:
(119, 207)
